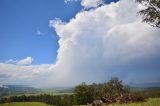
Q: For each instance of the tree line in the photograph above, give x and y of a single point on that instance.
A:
(82, 95)
(59, 100)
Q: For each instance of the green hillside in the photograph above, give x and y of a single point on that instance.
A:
(24, 104)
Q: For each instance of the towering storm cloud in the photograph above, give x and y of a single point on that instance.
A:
(95, 45)
(108, 41)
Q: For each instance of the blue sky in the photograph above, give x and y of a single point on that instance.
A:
(25, 31)
(95, 41)
(20, 20)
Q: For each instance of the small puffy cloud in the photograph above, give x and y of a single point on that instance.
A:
(66, 1)
(39, 32)
(11, 61)
(91, 3)
(87, 3)
(25, 61)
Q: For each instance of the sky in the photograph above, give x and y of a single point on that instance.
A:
(66, 42)
(25, 30)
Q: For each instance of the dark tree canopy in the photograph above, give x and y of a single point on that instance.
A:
(84, 94)
(113, 87)
(150, 14)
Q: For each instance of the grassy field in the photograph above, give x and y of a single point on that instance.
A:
(24, 104)
(150, 102)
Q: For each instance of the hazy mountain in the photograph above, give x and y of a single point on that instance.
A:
(145, 85)
(16, 90)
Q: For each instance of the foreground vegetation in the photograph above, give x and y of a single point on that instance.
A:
(149, 102)
(24, 104)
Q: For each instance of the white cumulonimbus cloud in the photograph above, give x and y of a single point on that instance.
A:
(91, 3)
(97, 44)
(107, 41)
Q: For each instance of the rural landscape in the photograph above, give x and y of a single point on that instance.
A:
(111, 93)
(80, 53)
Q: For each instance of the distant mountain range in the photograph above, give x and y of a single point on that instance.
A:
(145, 85)
(8, 90)
(15, 90)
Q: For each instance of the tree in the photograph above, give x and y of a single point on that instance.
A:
(150, 14)
(113, 87)
(84, 94)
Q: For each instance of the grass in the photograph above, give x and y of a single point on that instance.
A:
(149, 102)
(24, 104)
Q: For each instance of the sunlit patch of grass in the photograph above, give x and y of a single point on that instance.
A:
(149, 102)
(24, 104)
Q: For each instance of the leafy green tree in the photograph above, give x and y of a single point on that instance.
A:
(113, 87)
(97, 90)
(150, 14)
(84, 94)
